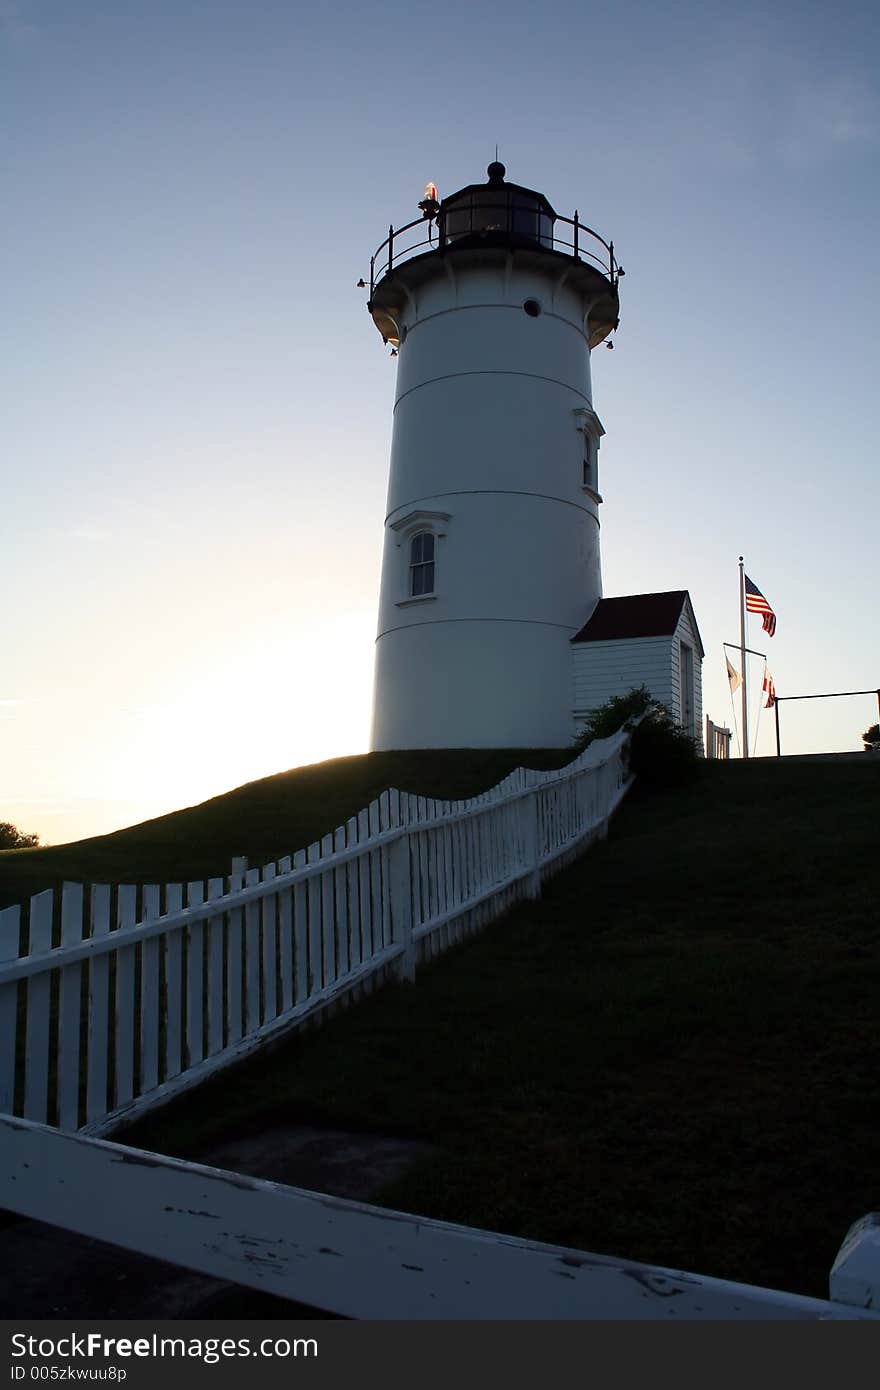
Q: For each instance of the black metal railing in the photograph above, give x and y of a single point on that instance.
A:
(448, 227)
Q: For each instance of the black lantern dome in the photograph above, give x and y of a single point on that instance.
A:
(496, 213)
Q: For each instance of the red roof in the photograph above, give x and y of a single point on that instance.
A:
(636, 615)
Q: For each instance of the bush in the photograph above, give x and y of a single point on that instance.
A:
(871, 738)
(608, 718)
(12, 838)
(661, 753)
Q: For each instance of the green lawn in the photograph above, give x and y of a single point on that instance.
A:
(672, 1057)
(262, 820)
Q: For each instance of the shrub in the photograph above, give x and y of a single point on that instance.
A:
(12, 838)
(608, 718)
(661, 753)
(871, 737)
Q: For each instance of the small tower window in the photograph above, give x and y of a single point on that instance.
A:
(589, 427)
(421, 564)
(532, 308)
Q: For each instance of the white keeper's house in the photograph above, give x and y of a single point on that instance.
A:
(493, 631)
(641, 639)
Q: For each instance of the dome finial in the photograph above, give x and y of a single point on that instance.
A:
(496, 170)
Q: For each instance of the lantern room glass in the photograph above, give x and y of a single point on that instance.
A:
(507, 210)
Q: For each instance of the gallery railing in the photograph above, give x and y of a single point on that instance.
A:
(451, 225)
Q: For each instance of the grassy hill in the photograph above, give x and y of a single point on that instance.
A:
(673, 1056)
(262, 820)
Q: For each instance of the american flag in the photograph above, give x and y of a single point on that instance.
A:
(756, 603)
(770, 689)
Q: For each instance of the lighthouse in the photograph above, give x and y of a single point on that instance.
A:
(492, 302)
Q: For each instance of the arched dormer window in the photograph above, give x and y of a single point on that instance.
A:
(421, 564)
(420, 536)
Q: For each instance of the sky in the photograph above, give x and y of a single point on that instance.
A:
(197, 407)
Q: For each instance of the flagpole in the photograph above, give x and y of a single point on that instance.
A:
(742, 651)
(778, 745)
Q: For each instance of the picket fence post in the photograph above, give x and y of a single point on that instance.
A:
(10, 918)
(235, 958)
(400, 883)
(529, 828)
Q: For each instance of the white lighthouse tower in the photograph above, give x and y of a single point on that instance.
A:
(491, 559)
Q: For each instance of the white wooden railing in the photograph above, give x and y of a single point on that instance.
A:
(367, 1262)
(115, 998)
(717, 740)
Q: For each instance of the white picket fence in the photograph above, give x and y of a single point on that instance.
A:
(115, 999)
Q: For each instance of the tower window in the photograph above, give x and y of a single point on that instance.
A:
(532, 308)
(588, 464)
(421, 564)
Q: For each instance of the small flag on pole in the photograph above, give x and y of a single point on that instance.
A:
(770, 689)
(756, 603)
(733, 676)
